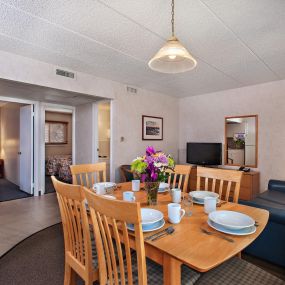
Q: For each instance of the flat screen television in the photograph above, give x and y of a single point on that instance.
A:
(204, 153)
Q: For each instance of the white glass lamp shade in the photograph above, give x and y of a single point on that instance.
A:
(173, 57)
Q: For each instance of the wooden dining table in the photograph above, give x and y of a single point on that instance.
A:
(188, 244)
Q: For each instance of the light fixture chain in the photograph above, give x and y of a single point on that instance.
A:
(172, 17)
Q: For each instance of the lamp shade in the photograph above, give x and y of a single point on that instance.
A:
(173, 57)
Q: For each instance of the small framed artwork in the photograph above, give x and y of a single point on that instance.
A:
(56, 132)
(152, 128)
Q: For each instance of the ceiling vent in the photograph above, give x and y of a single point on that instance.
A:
(132, 90)
(65, 73)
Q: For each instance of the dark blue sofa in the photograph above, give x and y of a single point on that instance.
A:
(270, 245)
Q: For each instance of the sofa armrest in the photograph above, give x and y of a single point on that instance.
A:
(276, 185)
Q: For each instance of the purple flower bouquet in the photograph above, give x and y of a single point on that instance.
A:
(151, 168)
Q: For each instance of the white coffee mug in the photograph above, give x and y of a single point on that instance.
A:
(129, 196)
(175, 213)
(210, 204)
(136, 184)
(176, 195)
(99, 189)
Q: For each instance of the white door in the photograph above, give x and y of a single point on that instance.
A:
(26, 149)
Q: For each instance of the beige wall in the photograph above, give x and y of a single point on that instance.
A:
(10, 140)
(127, 123)
(60, 148)
(201, 119)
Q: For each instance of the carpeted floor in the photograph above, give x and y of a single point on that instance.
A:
(10, 191)
(38, 260)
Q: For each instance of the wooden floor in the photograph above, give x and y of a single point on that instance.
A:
(23, 217)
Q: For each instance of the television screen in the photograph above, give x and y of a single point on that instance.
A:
(204, 153)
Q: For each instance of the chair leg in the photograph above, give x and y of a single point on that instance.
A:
(69, 275)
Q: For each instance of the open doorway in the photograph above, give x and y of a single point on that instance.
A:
(104, 135)
(16, 151)
(58, 147)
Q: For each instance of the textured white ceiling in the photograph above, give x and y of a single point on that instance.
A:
(236, 42)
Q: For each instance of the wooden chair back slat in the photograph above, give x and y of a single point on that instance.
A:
(206, 183)
(198, 183)
(228, 190)
(127, 252)
(183, 172)
(84, 174)
(110, 218)
(214, 185)
(111, 249)
(221, 188)
(119, 251)
(77, 237)
(180, 182)
(226, 178)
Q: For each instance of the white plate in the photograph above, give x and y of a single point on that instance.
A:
(106, 184)
(149, 228)
(200, 195)
(201, 202)
(231, 220)
(242, 232)
(163, 187)
(162, 190)
(150, 216)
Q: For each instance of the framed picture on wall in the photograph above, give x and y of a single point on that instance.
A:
(56, 132)
(152, 128)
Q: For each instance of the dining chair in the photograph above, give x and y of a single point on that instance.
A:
(88, 174)
(80, 256)
(221, 180)
(180, 177)
(118, 264)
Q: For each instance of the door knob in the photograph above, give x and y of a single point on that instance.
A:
(19, 153)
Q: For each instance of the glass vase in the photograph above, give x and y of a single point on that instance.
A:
(151, 190)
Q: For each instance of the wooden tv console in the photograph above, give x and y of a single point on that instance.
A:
(249, 184)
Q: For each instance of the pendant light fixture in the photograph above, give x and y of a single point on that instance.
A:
(173, 57)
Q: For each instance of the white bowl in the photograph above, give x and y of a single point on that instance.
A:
(241, 232)
(231, 220)
(163, 185)
(106, 184)
(201, 195)
(150, 216)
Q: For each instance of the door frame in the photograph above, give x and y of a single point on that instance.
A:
(35, 146)
(95, 146)
(53, 108)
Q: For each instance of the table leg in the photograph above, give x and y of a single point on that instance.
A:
(171, 270)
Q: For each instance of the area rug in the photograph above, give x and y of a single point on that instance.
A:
(38, 260)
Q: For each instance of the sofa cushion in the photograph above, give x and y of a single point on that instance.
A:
(273, 196)
(276, 211)
(276, 185)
